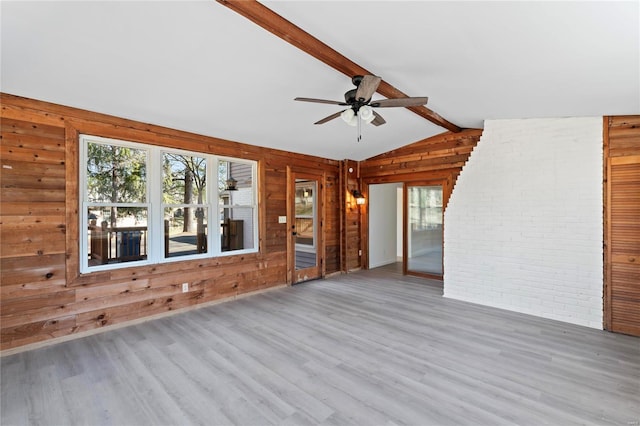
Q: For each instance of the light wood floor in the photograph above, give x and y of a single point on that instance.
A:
(369, 348)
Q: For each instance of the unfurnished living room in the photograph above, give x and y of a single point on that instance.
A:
(236, 212)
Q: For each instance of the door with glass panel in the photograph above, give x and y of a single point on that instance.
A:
(305, 247)
(423, 233)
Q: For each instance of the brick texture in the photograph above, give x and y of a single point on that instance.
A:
(523, 228)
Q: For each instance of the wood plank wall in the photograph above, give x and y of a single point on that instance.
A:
(352, 217)
(43, 296)
(622, 224)
(439, 158)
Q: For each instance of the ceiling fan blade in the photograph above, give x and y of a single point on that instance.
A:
(320, 101)
(378, 120)
(399, 102)
(367, 87)
(329, 118)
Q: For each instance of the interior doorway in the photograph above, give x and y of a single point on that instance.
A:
(385, 224)
(405, 222)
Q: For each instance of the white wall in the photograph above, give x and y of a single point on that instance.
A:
(382, 224)
(523, 228)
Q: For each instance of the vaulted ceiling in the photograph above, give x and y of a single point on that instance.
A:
(202, 67)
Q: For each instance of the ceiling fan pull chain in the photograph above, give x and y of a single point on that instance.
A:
(359, 127)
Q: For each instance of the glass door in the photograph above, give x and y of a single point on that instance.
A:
(423, 240)
(305, 224)
(305, 245)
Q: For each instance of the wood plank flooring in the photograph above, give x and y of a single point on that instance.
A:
(368, 348)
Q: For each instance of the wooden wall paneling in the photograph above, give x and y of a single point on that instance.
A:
(623, 135)
(72, 202)
(37, 239)
(439, 158)
(352, 217)
(622, 224)
(43, 296)
(332, 223)
(131, 311)
(34, 332)
(29, 208)
(408, 177)
(606, 308)
(32, 226)
(441, 141)
(625, 244)
(341, 200)
(30, 276)
(419, 166)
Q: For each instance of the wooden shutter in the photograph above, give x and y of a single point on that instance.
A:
(622, 298)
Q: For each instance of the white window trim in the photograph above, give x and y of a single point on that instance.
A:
(155, 206)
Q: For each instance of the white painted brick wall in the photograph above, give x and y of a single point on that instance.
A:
(523, 227)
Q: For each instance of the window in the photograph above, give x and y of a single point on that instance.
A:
(184, 204)
(305, 214)
(143, 204)
(425, 207)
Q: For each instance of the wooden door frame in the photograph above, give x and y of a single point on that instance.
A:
(447, 188)
(606, 173)
(320, 177)
(405, 221)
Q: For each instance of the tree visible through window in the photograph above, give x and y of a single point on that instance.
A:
(134, 216)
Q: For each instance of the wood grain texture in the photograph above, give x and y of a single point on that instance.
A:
(622, 224)
(42, 293)
(372, 347)
(440, 157)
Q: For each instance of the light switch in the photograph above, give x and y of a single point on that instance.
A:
(282, 219)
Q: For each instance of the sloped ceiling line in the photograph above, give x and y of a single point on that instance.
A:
(286, 30)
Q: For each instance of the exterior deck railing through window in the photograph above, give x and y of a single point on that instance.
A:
(117, 244)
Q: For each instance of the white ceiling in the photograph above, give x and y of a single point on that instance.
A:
(200, 67)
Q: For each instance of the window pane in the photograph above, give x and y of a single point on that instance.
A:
(116, 174)
(304, 209)
(183, 179)
(425, 229)
(304, 198)
(116, 234)
(235, 182)
(185, 231)
(236, 228)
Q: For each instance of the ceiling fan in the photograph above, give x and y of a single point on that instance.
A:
(360, 104)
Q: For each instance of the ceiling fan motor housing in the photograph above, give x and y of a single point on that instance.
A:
(360, 98)
(350, 96)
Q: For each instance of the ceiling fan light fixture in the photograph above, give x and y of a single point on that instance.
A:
(349, 117)
(366, 114)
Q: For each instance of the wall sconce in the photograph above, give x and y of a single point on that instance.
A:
(231, 184)
(358, 196)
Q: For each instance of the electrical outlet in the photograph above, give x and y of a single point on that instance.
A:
(359, 252)
(185, 287)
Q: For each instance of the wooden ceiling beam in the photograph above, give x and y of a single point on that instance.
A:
(276, 24)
